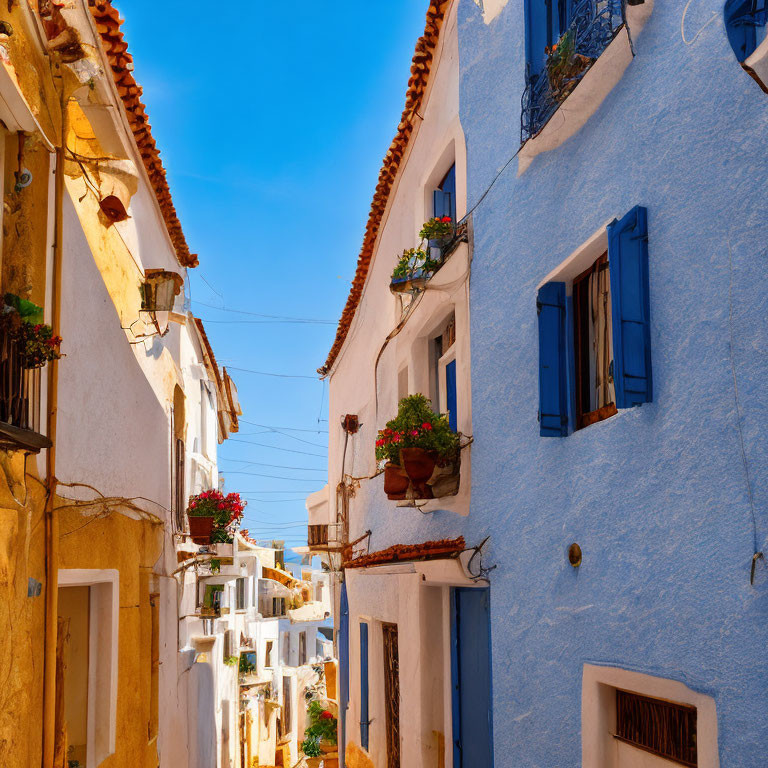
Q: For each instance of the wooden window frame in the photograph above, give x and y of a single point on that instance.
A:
(581, 349)
(391, 659)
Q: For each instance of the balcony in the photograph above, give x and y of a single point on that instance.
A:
(594, 25)
(20, 389)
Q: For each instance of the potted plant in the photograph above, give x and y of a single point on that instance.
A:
(320, 737)
(417, 265)
(22, 320)
(565, 66)
(416, 446)
(213, 517)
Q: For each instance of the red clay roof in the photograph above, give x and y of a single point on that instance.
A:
(417, 86)
(429, 550)
(108, 24)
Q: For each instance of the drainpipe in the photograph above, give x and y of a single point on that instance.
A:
(51, 515)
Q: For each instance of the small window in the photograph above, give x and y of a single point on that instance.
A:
(444, 197)
(268, 651)
(286, 720)
(278, 606)
(593, 349)
(286, 649)
(240, 594)
(302, 649)
(661, 727)
(443, 375)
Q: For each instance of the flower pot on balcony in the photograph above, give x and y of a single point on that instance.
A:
(419, 466)
(396, 482)
(200, 529)
(408, 284)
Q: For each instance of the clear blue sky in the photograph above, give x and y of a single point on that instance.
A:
(272, 120)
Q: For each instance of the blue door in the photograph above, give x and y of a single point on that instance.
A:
(364, 716)
(343, 643)
(471, 673)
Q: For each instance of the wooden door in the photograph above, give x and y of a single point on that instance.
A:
(392, 694)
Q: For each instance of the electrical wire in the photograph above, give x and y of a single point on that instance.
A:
(276, 375)
(291, 429)
(273, 466)
(277, 448)
(258, 314)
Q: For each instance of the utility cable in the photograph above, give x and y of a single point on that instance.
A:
(259, 314)
(267, 373)
(275, 447)
(290, 429)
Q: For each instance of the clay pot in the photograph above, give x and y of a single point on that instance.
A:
(418, 464)
(395, 481)
(200, 529)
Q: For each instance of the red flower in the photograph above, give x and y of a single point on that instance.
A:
(326, 715)
(415, 432)
(193, 505)
(426, 425)
(396, 437)
(446, 218)
(221, 505)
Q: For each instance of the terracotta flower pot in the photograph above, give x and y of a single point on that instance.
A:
(418, 464)
(200, 529)
(395, 481)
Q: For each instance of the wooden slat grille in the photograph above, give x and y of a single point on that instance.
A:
(317, 534)
(392, 694)
(663, 728)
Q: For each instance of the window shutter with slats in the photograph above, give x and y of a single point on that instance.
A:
(450, 395)
(553, 380)
(630, 308)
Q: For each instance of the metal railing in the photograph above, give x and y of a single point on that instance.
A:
(20, 387)
(593, 26)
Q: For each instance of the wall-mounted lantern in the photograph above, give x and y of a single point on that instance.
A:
(158, 294)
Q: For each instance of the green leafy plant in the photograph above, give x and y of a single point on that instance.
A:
(322, 728)
(22, 320)
(416, 426)
(437, 228)
(230, 661)
(247, 666)
(564, 65)
(414, 262)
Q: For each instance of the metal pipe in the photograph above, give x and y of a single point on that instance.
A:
(51, 513)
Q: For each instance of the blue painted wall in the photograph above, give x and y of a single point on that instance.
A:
(656, 496)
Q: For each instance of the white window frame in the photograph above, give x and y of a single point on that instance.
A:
(598, 713)
(103, 637)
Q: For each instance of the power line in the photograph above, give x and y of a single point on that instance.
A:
(260, 322)
(277, 448)
(276, 375)
(259, 314)
(256, 474)
(276, 477)
(290, 429)
(274, 466)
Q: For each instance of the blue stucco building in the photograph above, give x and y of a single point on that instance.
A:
(610, 367)
(666, 500)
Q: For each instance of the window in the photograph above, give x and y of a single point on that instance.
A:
(660, 727)
(302, 649)
(268, 651)
(392, 694)
(286, 649)
(593, 350)
(443, 354)
(365, 722)
(604, 361)
(745, 23)
(240, 594)
(278, 606)
(546, 22)
(444, 197)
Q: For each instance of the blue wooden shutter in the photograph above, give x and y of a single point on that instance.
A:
(742, 18)
(553, 387)
(364, 716)
(450, 395)
(630, 308)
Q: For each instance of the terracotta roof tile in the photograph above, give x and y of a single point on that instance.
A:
(417, 85)
(429, 550)
(108, 23)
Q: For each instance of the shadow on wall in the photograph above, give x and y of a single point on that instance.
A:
(202, 717)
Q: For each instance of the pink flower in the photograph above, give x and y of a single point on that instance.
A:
(396, 438)
(415, 432)
(193, 505)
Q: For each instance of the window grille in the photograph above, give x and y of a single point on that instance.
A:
(392, 694)
(663, 728)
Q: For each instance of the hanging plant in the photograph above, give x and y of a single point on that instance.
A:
(417, 265)
(22, 321)
(565, 66)
(437, 228)
(322, 729)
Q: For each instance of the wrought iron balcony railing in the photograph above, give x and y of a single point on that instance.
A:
(593, 26)
(19, 398)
